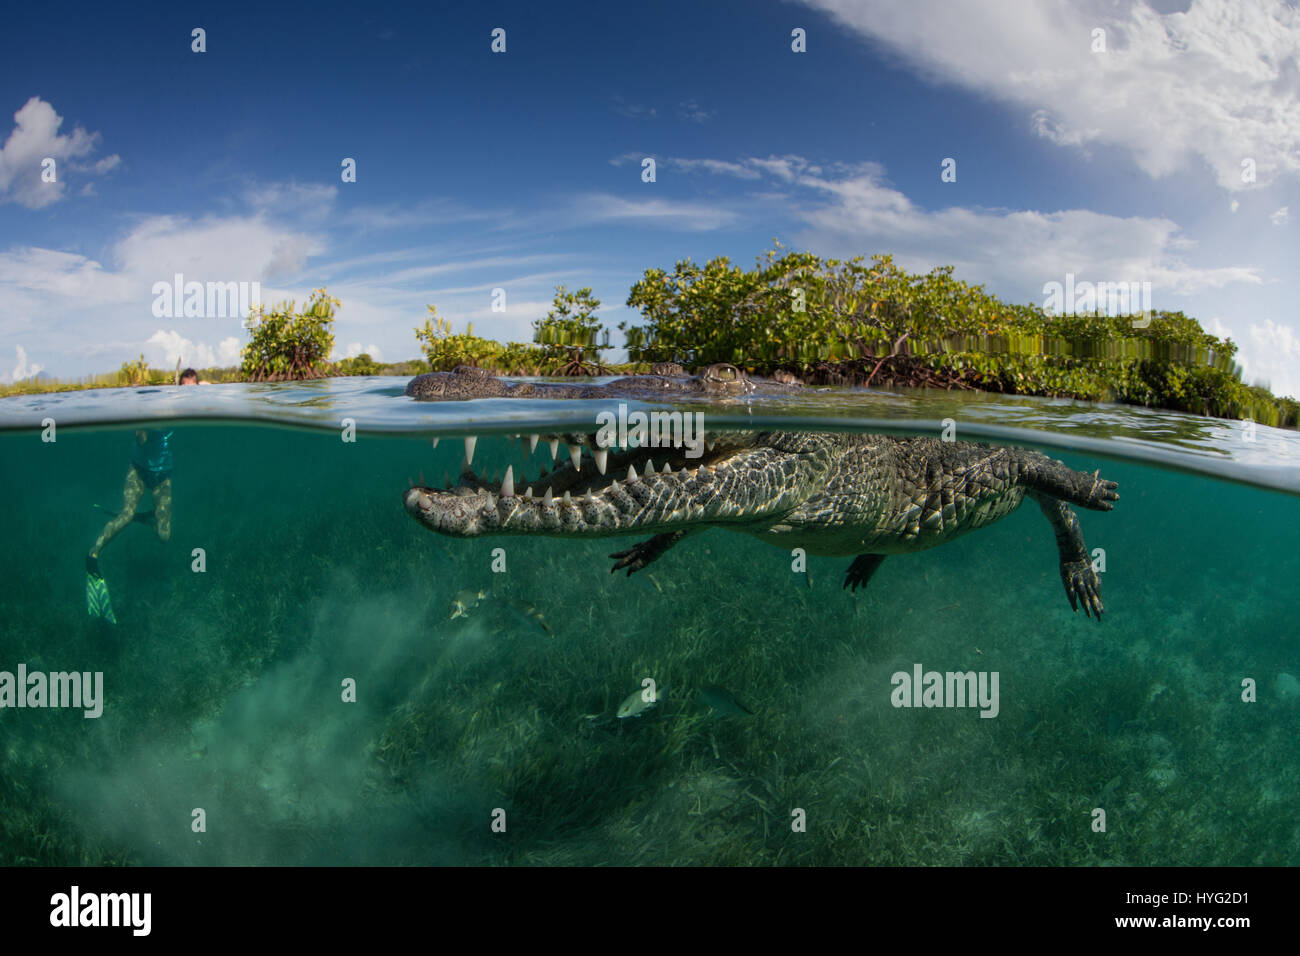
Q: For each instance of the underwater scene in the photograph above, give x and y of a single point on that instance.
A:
(296, 669)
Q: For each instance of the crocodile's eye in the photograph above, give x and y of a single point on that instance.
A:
(724, 373)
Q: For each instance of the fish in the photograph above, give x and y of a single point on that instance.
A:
(723, 701)
(636, 704)
(465, 601)
(529, 611)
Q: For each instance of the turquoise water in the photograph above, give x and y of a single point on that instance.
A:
(223, 689)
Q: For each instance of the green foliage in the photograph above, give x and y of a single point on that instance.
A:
(135, 373)
(361, 364)
(848, 321)
(444, 350)
(284, 344)
(570, 331)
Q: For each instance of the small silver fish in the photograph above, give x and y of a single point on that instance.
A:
(639, 701)
(465, 601)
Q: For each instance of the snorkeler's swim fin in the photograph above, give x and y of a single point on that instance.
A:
(98, 603)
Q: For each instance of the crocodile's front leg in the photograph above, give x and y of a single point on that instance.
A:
(638, 556)
(1050, 477)
(1082, 586)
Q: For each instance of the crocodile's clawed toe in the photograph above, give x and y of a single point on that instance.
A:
(633, 559)
(1082, 586)
(1103, 492)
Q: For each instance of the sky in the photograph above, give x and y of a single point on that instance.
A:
(1106, 140)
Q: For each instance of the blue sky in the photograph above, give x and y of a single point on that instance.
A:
(522, 170)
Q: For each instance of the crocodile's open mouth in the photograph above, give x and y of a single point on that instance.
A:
(586, 489)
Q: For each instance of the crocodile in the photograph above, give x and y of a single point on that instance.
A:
(667, 379)
(830, 493)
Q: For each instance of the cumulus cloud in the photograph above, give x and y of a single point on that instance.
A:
(1018, 247)
(355, 348)
(1217, 82)
(22, 370)
(167, 347)
(1280, 217)
(849, 208)
(1273, 351)
(35, 138)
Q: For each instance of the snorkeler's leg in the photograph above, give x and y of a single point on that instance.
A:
(131, 493)
(162, 510)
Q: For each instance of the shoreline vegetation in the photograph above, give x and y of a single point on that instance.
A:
(826, 321)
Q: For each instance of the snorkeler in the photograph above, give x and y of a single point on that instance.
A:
(151, 468)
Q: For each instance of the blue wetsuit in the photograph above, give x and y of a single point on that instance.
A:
(153, 459)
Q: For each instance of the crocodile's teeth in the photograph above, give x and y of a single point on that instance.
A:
(555, 447)
(529, 492)
(589, 497)
(575, 456)
(667, 469)
(470, 442)
(532, 443)
(602, 458)
(649, 467)
(710, 444)
(549, 499)
(631, 473)
(508, 484)
(568, 500)
(492, 500)
(433, 442)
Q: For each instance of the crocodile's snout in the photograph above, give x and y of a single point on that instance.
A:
(615, 490)
(418, 501)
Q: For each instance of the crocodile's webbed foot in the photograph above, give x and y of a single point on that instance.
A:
(861, 570)
(638, 556)
(1082, 586)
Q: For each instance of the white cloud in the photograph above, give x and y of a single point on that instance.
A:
(356, 348)
(1271, 355)
(22, 370)
(418, 215)
(311, 201)
(694, 112)
(76, 307)
(719, 166)
(1218, 82)
(668, 213)
(1022, 249)
(1280, 217)
(36, 137)
(166, 348)
(232, 249)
